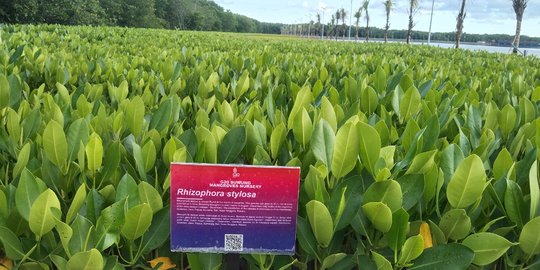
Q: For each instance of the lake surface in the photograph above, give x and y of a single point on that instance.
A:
(493, 49)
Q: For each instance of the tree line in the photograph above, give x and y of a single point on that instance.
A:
(337, 27)
(199, 15)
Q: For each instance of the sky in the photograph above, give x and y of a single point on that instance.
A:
(483, 16)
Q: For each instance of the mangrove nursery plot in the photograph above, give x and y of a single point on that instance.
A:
(411, 156)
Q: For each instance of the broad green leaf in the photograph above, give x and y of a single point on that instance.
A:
(451, 157)
(306, 239)
(11, 244)
(135, 111)
(331, 260)
(535, 190)
(444, 257)
(322, 143)
(64, 231)
(503, 163)
(41, 218)
(158, 232)
(410, 104)
(27, 192)
(3, 205)
(226, 114)
(4, 92)
(467, 183)
(369, 100)
(88, 260)
(94, 152)
(370, 145)
(398, 232)
(507, 119)
(529, 238)
(138, 220)
(277, 139)
(412, 187)
(321, 222)
(455, 224)
(379, 214)
(380, 261)
(163, 116)
(302, 100)
(345, 150)
(149, 195)
(76, 203)
(412, 248)
(232, 145)
(149, 155)
(55, 143)
(487, 247)
(302, 127)
(328, 113)
(109, 224)
(516, 210)
(422, 163)
(22, 160)
(387, 192)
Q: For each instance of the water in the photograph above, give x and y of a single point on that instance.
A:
(494, 49)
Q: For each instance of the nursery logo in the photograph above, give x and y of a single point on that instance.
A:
(235, 173)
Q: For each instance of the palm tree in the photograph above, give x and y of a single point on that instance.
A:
(388, 7)
(343, 17)
(413, 8)
(319, 23)
(460, 19)
(338, 17)
(519, 9)
(365, 6)
(333, 22)
(357, 15)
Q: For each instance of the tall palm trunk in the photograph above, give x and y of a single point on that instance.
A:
(459, 25)
(413, 5)
(517, 37)
(409, 31)
(387, 27)
(367, 25)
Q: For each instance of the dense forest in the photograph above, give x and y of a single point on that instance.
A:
(173, 14)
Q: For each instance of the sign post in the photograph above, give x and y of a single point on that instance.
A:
(234, 208)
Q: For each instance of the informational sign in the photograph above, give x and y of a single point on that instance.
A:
(234, 208)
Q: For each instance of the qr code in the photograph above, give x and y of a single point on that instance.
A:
(234, 242)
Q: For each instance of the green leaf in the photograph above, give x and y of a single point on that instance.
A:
(369, 100)
(41, 218)
(27, 192)
(387, 192)
(444, 257)
(109, 224)
(138, 220)
(302, 127)
(535, 190)
(276, 139)
(94, 152)
(158, 232)
(11, 243)
(302, 100)
(455, 224)
(412, 248)
(22, 160)
(412, 187)
(379, 214)
(163, 116)
(76, 203)
(88, 260)
(467, 183)
(370, 145)
(345, 150)
(322, 143)
(135, 111)
(410, 104)
(150, 196)
(331, 260)
(398, 232)
(321, 222)
(55, 143)
(503, 163)
(487, 247)
(64, 231)
(381, 262)
(306, 239)
(516, 209)
(4, 92)
(529, 238)
(232, 145)
(422, 163)
(149, 155)
(507, 119)
(78, 132)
